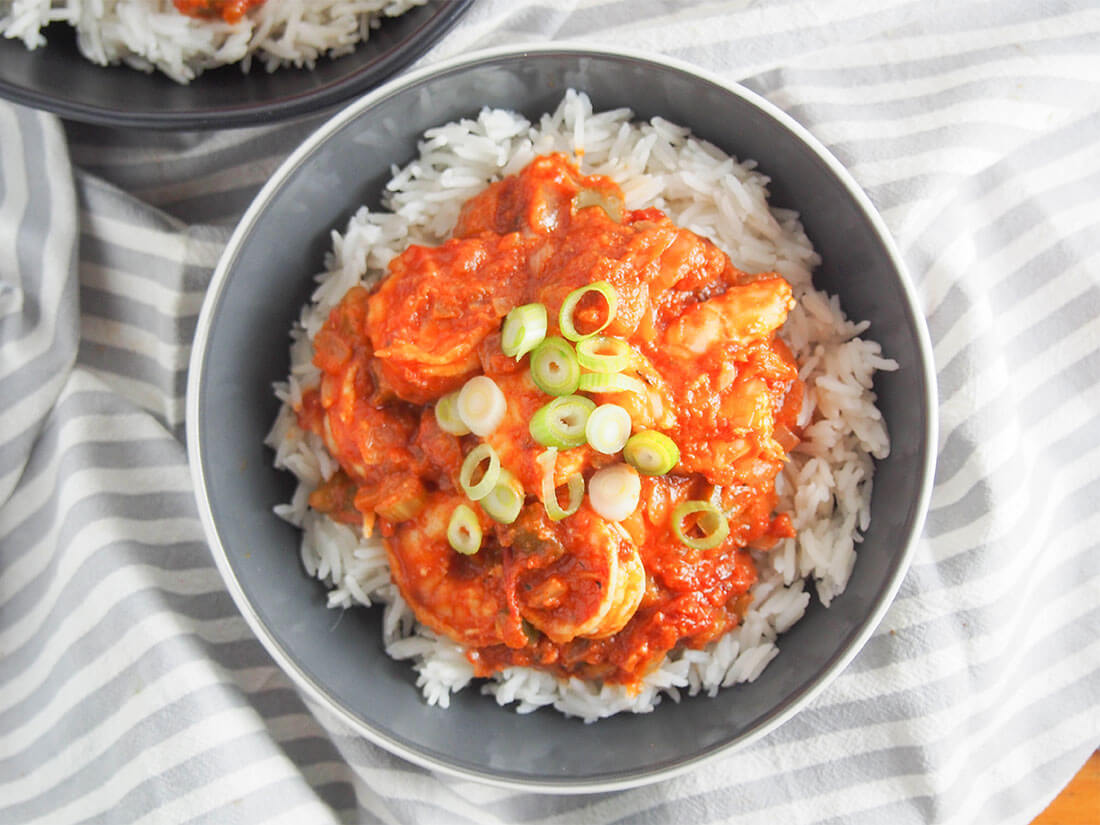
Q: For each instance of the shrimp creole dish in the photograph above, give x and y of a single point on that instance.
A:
(572, 411)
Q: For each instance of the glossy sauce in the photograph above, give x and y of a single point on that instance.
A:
(231, 11)
(581, 597)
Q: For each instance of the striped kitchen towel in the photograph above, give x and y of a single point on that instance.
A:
(131, 690)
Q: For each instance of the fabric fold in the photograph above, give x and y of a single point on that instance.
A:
(132, 690)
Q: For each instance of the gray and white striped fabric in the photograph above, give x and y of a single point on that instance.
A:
(132, 691)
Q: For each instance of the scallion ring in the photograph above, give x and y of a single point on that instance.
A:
(505, 500)
(602, 354)
(614, 491)
(562, 422)
(463, 531)
(446, 415)
(481, 405)
(488, 479)
(610, 382)
(575, 483)
(565, 317)
(711, 525)
(651, 453)
(608, 428)
(554, 367)
(524, 329)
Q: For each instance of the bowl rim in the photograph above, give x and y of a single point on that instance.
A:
(409, 49)
(850, 647)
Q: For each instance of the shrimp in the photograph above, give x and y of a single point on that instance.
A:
(426, 326)
(742, 314)
(652, 408)
(581, 577)
(462, 597)
(512, 439)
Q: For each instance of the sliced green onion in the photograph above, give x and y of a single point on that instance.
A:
(614, 491)
(481, 405)
(446, 415)
(608, 428)
(565, 317)
(489, 478)
(711, 525)
(610, 382)
(651, 453)
(554, 367)
(562, 422)
(575, 483)
(505, 500)
(463, 531)
(524, 329)
(602, 354)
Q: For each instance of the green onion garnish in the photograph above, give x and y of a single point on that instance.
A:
(610, 382)
(463, 531)
(575, 483)
(709, 529)
(481, 405)
(505, 500)
(608, 428)
(554, 367)
(561, 423)
(524, 329)
(565, 317)
(651, 453)
(446, 415)
(601, 354)
(489, 478)
(614, 491)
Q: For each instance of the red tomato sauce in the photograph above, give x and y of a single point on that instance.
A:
(582, 596)
(231, 11)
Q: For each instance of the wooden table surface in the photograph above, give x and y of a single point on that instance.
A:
(1079, 803)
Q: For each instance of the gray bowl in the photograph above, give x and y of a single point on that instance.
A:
(240, 349)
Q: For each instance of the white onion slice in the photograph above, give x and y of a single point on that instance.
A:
(608, 428)
(614, 491)
(481, 405)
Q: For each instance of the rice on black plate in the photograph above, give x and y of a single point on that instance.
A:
(151, 34)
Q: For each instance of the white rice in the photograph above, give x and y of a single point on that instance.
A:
(151, 34)
(826, 485)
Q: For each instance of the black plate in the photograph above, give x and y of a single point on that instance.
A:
(56, 77)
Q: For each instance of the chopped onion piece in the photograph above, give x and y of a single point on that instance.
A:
(489, 478)
(651, 453)
(505, 500)
(610, 204)
(610, 382)
(565, 317)
(554, 367)
(711, 525)
(603, 354)
(614, 491)
(608, 428)
(524, 329)
(481, 405)
(562, 422)
(548, 460)
(463, 531)
(446, 415)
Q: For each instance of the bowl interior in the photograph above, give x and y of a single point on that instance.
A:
(56, 77)
(269, 278)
